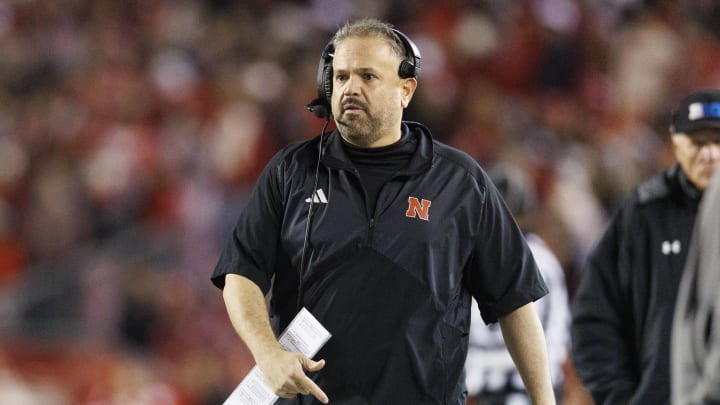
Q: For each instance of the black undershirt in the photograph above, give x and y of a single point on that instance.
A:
(378, 165)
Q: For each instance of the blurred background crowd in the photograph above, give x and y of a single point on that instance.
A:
(132, 131)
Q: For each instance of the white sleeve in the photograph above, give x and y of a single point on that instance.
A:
(553, 309)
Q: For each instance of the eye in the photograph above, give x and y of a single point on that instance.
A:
(340, 77)
(369, 76)
(699, 143)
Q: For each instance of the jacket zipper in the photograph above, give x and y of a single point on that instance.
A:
(371, 228)
(371, 217)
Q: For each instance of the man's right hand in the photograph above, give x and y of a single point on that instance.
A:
(285, 374)
(284, 371)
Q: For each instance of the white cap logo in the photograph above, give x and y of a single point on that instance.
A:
(695, 111)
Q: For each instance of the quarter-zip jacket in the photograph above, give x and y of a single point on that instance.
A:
(623, 309)
(393, 287)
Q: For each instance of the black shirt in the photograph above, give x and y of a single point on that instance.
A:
(377, 165)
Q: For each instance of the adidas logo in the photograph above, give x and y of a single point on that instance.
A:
(318, 197)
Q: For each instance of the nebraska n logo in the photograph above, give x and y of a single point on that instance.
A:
(418, 209)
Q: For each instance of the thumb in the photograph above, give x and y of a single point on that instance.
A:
(311, 365)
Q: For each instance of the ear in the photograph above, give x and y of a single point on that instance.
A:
(676, 141)
(408, 89)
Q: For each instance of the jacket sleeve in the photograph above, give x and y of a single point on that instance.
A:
(601, 330)
(250, 250)
(502, 275)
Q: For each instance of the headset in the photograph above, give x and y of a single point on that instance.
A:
(321, 107)
(409, 68)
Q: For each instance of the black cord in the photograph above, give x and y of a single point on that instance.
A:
(302, 270)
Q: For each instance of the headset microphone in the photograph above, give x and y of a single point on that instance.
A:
(318, 108)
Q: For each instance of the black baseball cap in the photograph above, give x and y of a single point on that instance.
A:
(697, 111)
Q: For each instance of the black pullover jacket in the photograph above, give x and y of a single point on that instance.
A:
(392, 286)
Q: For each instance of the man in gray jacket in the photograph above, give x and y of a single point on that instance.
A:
(695, 357)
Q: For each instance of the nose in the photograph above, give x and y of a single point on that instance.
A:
(351, 86)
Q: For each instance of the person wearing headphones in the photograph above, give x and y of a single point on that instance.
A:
(384, 235)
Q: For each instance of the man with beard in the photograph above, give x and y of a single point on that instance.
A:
(384, 235)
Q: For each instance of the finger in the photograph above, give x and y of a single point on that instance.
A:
(311, 365)
(314, 390)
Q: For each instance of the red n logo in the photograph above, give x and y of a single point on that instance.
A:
(418, 209)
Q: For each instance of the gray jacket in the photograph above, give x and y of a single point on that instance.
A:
(695, 361)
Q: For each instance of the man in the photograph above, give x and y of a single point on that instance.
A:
(404, 231)
(491, 376)
(622, 311)
(695, 357)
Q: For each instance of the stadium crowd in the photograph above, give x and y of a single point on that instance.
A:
(132, 131)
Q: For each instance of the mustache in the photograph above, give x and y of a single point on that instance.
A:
(354, 101)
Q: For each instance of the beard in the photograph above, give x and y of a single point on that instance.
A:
(361, 128)
(359, 131)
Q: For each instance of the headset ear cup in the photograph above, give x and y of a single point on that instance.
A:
(410, 66)
(406, 70)
(324, 77)
(328, 84)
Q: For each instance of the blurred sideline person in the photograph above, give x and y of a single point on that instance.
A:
(403, 232)
(695, 357)
(491, 376)
(623, 309)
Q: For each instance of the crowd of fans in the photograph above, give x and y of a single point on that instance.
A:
(132, 131)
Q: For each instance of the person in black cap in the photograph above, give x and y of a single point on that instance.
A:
(622, 312)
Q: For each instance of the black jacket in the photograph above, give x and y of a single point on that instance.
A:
(393, 287)
(622, 312)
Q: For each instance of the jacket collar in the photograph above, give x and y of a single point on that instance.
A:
(334, 155)
(692, 193)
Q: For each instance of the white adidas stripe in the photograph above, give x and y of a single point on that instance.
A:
(318, 197)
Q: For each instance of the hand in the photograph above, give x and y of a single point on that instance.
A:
(285, 374)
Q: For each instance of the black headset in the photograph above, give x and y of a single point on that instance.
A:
(409, 68)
